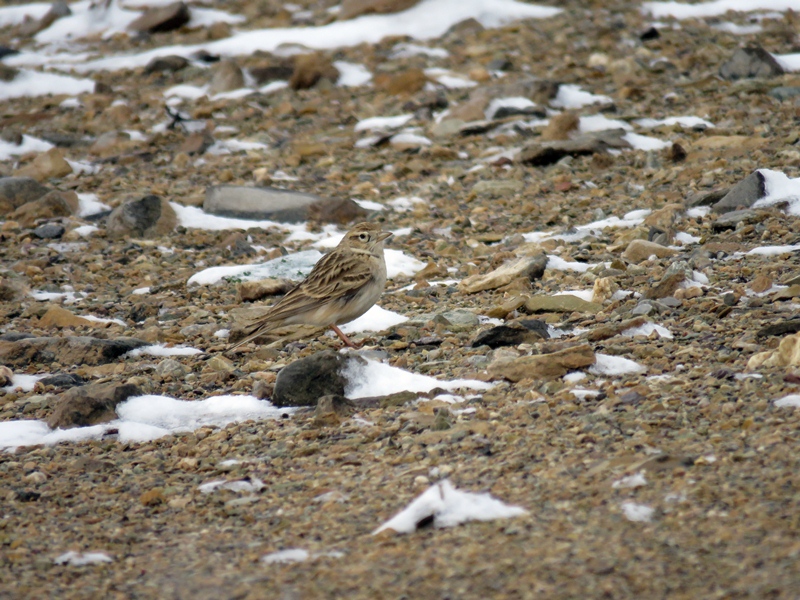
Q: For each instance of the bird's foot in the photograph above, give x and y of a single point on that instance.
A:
(347, 341)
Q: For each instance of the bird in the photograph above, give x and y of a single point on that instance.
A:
(342, 286)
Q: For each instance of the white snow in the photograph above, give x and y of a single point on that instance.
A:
(606, 364)
(448, 506)
(162, 350)
(792, 400)
(698, 212)
(80, 559)
(638, 513)
(375, 319)
(517, 102)
(88, 205)
(572, 96)
(406, 50)
(405, 203)
(410, 139)
(249, 484)
(292, 555)
(780, 188)
(646, 143)
(426, 20)
(104, 320)
(351, 74)
(145, 418)
(86, 230)
(582, 294)
(737, 29)
(14, 15)
(383, 123)
(631, 481)
(646, 329)
(772, 250)
(559, 264)
(574, 377)
(448, 79)
(36, 83)
(379, 379)
(681, 10)
(601, 123)
(142, 291)
(686, 121)
(29, 144)
(23, 382)
(369, 204)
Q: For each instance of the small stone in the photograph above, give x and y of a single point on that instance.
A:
(161, 19)
(50, 206)
(643, 308)
(166, 64)
(70, 350)
(733, 219)
(605, 331)
(60, 317)
(147, 217)
(169, 367)
(495, 189)
(666, 287)
(603, 289)
(787, 355)
(273, 72)
(305, 381)
(531, 267)
(309, 69)
(459, 319)
(354, 8)
(743, 195)
(506, 335)
(90, 404)
(331, 410)
(16, 191)
(48, 165)
(761, 283)
(49, 231)
(152, 497)
(640, 250)
(226, 76)
(561, 126)
(544, 366)
(220, 364)
(406, 82)
(784, 92)
(561, 303)
(752, 61)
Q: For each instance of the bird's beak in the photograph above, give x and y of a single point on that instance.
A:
(384, 235)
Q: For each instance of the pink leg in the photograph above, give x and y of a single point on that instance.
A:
(343, 337)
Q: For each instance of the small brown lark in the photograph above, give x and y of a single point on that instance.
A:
(341, 287)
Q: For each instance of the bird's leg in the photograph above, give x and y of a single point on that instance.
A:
(343, 337)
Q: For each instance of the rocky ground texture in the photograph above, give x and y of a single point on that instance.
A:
(717, 457)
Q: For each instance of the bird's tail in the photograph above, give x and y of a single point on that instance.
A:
(258, 330)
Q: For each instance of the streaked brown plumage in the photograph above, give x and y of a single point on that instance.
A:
(342, 286)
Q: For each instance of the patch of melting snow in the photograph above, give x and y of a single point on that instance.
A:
(68, 296)
(382, 124)
(646, 329)
(606, 364)
(163, 350)
(29, 144)
(574, 377)
(638, 513)
(582, 294)
(80, 559)
(379, 379)
(442, 505)
(248, 484)
(631, 481)
(405, 203)
(145, 418)
(23, 382)
(448, 79)
(406, 50)
(698, 212)
(583, 393)
(557, 263)
(686, 121)
(601, 123)
(375, 319)
(646, 143)
(681, 10)
(572, 96)
(36, 83)
(293, 555)
(792, 400)
(518, 102)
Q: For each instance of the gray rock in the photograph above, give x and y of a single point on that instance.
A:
(743, 195)
(459, 318)
(749, 62)
(785, 92)
(333, 408)
(49, 231)
(541, 154)
(63, 380)
(147, 217)
(270, 203)
(305, 381)
(563, 303)
(16, 191)
(169, 367)
(643, 308)
(732, 219)
(68, 351)
(226, 77)
(705, 198)
(90, 404)
(166, 64)
(527, 331)
(162, 18)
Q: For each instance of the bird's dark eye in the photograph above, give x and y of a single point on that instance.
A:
(363, 237)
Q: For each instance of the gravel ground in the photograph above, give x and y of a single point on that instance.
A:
(699, 424)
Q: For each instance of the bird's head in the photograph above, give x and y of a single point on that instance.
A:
(366, 236)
